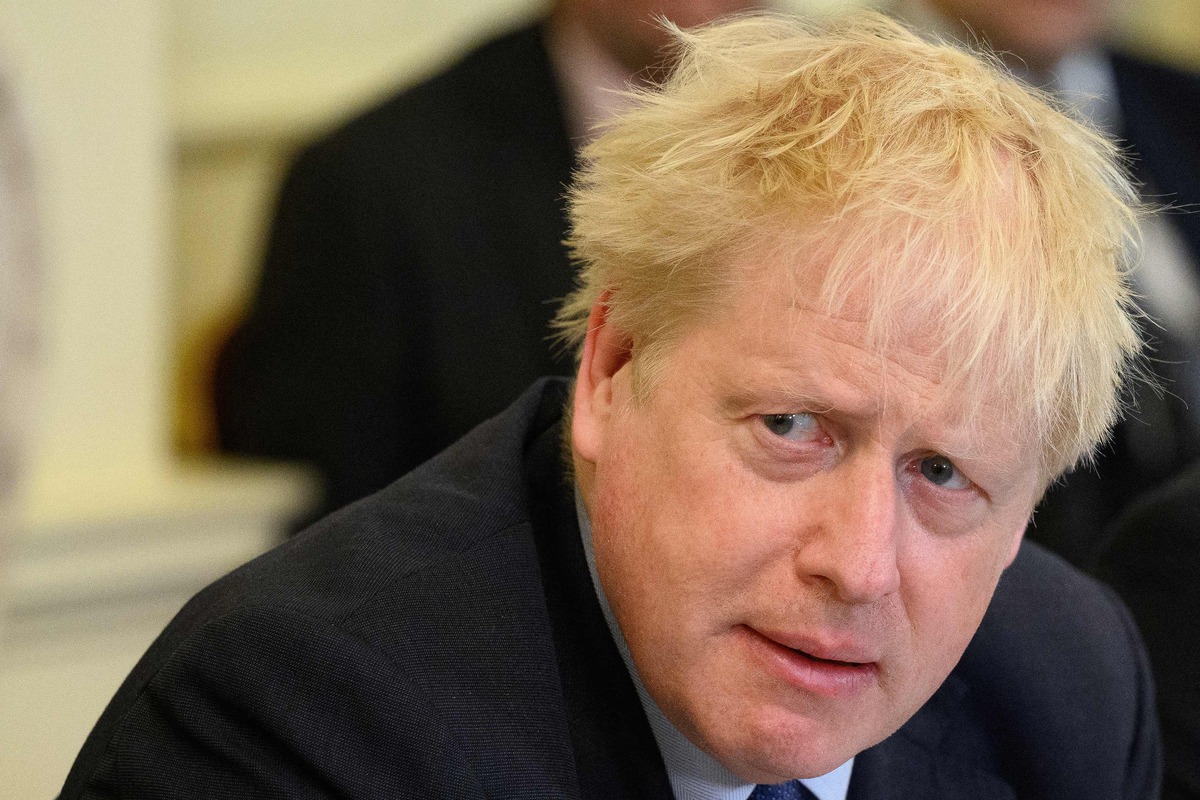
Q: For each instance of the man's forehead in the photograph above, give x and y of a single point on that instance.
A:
(857, 312)
(779, 308)
(938, 291)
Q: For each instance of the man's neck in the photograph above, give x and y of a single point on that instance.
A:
(1082, 78)
(593, 83)
(929, 21)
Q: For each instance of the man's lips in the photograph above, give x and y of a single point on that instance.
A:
(840, 649)
(834, 668)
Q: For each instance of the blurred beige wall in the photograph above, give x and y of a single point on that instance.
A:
(91, 75)
(114, 532)
(1168, 29)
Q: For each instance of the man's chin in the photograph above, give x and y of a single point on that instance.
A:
(785, 749)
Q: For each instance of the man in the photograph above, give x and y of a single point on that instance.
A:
(1154, 110)
(416, 256)
(849, 302)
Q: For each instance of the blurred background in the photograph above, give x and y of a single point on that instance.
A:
(155, 133)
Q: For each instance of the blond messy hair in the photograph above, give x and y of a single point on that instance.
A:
(963, 202)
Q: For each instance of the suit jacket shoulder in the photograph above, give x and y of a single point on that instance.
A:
(347, 662)
(1152, 559)
(1171, 95)
(1052, 699)
(441, 639)
(491, 100)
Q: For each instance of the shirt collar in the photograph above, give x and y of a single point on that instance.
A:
(693, 773)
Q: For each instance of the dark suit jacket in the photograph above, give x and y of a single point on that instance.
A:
(413, 266)
(1160, 115)
(441, 639)
(1153, 561)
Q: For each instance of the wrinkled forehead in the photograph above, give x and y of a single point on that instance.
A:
(914, 308)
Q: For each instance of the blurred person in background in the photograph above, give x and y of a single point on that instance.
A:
(1154, 110)
(416, 253)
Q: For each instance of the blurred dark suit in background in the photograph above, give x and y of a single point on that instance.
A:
(404, 293)
(416, 254)
(1153, 561)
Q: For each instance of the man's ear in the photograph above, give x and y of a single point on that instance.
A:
(606, 351)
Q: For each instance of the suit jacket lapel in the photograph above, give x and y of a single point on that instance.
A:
(912, 764)
(616, 755)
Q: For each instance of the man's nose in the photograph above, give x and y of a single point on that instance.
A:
(852, 544)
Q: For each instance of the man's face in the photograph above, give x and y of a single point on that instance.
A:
(798, 539)
(1038, 31)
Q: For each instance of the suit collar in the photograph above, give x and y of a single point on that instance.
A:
(615, 751)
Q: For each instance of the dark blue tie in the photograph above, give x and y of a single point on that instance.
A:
(792, 790)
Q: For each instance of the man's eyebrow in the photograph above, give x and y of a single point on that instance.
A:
(970, 454)
(781, 400)
(978, 453)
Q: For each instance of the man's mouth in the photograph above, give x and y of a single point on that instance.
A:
(826, 660)
(826, 668)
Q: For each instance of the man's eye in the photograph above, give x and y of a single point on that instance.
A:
(796, 427)
(941, 471)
